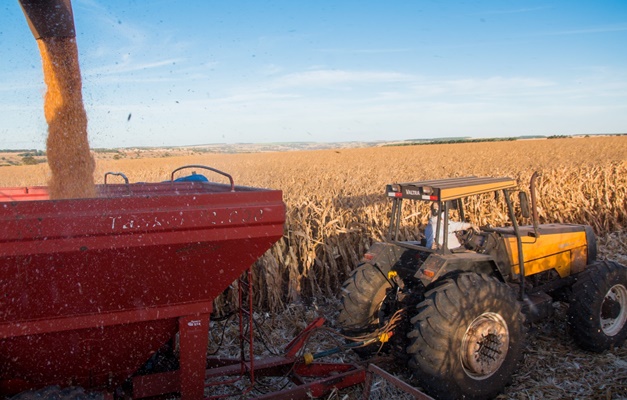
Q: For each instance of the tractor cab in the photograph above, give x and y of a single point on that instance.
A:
(444, 195)
(452, 244)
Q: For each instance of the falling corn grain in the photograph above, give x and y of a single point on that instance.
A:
(70, 161)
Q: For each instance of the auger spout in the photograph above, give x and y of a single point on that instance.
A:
(49, 18)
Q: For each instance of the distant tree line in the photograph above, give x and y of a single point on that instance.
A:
(423, 142)
(24, 152)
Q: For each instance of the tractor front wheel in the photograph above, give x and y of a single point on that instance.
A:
(362, 297)
(598, 307)
(467, 337)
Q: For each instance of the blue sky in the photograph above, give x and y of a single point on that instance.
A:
(202, 71)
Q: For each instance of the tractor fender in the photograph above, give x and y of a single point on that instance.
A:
(437, 266)
(383, 254)
(591, 240)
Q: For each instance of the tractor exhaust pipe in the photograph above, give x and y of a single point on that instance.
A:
(49, 18)
(534, 204)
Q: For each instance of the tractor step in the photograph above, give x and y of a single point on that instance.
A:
(537, 306)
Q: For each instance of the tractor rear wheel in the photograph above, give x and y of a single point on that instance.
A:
(598, 307)
(362, 297)
(467, 338)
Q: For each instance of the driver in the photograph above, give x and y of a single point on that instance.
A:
(453, 226)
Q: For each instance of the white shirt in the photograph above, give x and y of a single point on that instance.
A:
(453, 226)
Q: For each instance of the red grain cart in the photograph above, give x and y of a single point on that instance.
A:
(91, 288)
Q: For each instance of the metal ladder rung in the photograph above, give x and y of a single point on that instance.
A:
(246, 338)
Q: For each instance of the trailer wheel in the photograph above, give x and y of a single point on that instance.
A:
(598, 307)
(362, 296)
(467, 338)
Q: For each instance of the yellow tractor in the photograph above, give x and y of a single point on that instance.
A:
(458, 308)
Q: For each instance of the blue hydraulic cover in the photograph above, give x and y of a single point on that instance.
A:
(194, 177)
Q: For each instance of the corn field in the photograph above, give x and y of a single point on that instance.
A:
(336, 206)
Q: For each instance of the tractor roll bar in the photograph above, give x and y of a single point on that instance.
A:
(217, 171)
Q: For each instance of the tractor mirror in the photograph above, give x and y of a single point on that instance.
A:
(524, 204)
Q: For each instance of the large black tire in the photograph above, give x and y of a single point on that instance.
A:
(598, 307)
(468, 337)
(362, 296)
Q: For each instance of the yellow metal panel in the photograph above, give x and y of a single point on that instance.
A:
(548, 247)
(455, 188)
(579, 259)
(560, 262)
(473, 188)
